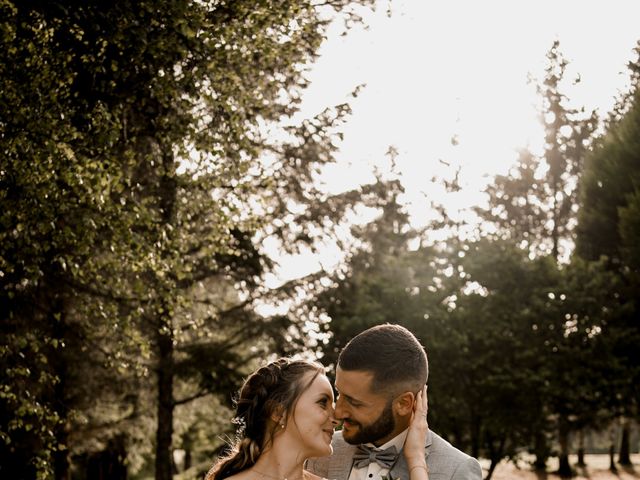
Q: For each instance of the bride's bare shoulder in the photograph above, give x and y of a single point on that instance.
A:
(312, 476)
(243, 475)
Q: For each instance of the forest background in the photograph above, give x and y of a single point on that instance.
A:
(149, 154)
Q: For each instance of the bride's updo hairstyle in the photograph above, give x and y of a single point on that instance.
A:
(270, 392)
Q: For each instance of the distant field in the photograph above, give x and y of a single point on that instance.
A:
(597, 469)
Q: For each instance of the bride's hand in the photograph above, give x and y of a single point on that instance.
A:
(417, 434)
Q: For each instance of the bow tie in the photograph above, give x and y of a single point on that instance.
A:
(365, 455)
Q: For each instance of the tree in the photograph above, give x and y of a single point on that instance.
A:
(608, 230)
(54, 218)
(375, 286)
(146, 153)
(536, 203)
(606, 222)
(426, 290)
(494, 311)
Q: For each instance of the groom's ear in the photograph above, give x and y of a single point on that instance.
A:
(403, 403)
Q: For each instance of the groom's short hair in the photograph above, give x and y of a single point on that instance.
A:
(391, 353)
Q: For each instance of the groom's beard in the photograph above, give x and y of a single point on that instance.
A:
(372, 432)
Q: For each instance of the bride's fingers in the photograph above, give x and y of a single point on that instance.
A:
(421, 402)
(420, 405)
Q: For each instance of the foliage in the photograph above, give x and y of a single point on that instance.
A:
(609, 191)
(535, 205)
(608, 232)
(137, 169)
(519, 342)
(377, 287)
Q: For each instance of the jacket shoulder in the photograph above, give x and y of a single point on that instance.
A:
(444, 457)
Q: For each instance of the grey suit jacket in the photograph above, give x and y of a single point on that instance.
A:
(445, 462)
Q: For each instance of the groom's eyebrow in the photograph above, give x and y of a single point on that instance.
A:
(350, 399)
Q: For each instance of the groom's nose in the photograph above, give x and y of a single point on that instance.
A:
(339, 411)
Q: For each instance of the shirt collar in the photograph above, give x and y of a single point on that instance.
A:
(397, 441)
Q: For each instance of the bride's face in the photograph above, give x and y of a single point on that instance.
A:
(313, 420)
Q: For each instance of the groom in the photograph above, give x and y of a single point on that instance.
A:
(378, 372)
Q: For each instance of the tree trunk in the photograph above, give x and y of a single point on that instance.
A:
(564, 469)
(187, 445)
(165, 335)
(613, 434)
(492, 467)
(541, 451)
(110, 464)
(164, 432)
(553, 158)
(624, 457)
(187, 459)
(61, 465)
(581, 449)
(475, 437)
(554, 233)
(612, 460)
(496, 452)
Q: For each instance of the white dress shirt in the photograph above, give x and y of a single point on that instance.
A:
(374, 471)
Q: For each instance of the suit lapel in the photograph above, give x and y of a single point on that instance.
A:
(341, 461)
(400, 469)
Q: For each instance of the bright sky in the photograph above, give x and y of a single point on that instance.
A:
(435, 69)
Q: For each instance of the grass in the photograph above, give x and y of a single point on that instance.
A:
(597, 468)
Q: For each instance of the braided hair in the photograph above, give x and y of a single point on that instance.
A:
(273, 388)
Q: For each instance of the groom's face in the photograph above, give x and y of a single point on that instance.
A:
(366, 416)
